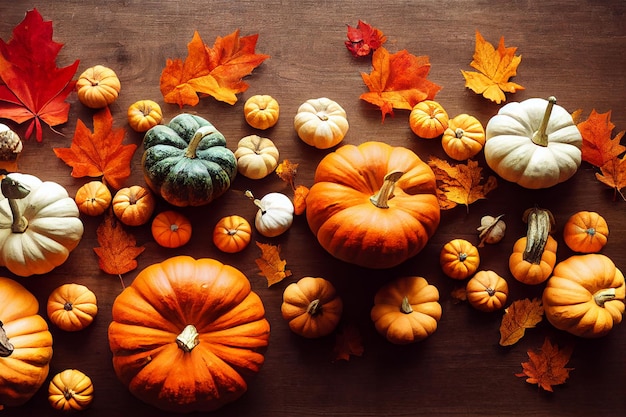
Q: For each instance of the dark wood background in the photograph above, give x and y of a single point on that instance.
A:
(571, 49)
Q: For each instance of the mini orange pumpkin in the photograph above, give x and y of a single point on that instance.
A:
(72, 307)
(232, 234)
(171, 229)
(261, 111)
(459, 259)
(312, 307)
(586, 232)
(98, 86)
(134, 205)
(143, 115)
(93, 198)
(487, 291)
(464, 137)
(428, 119)
(70, 390)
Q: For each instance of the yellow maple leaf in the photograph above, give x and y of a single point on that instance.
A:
(495, 67)
(272, 267)
(519, 316)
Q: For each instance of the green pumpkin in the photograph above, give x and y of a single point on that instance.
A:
(186, 162)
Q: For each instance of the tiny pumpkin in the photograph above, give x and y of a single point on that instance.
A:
(406, 310)
(171, 229)
(133, 205)
(275, 214)
(586, 232)
(459, 259)
(261, 111)
(321, 123)
(143, 115)
(487, 291)
(463, 138)
(232, 234)
(312, 307)
(257, 157)
(98, 86)
(93, 198)
(72, 307)
(70, 390)
(428, 119)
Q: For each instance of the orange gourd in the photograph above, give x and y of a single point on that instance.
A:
(459, 259)
(143, 115)
(93, 198)
(261, 111)
(351, 214)
(428, 119)
(134, 205)
(312, 307)
(187, 334)
(98, 86)
(487, 291)
(463, 138)
(70, 390)
(171, 229)
(586, 232)
(232, 234)
(585, 295)
(72, 307)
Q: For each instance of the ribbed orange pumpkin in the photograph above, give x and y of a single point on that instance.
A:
(232, 234)
(428, 119)
(351, 214)
(459, 259)
(70, 390)
(98, 86)
(171, 229)
(134, 205)
(487, 291)
(72, 307)
(586, 232)
(93, 198)
(187, 334)
(464, 137)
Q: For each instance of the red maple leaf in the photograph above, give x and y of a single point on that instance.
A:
(32, 86)
(364, 39)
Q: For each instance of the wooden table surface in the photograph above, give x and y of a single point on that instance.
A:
(573, 50)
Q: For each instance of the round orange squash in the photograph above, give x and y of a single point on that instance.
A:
(134, 205)
(261, 111)
(351, 214)
(72, 307)
(232, 234)
(70, 390)
(143, 115)
(171, 229)
(98, 86)
(463, 138)
(428, 119)
(487, 291)
(93, 198)
(586, 232)
(459, 259)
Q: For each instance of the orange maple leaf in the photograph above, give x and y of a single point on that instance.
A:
(598, 147)
(272, 267)
(348, 342)
(398, 81)
(546, 366)
(613, 174)
(460, 183)
(519, 316)
(216, 71)
(287, 171)
(117, 250)
(100, 153)
(495, 67)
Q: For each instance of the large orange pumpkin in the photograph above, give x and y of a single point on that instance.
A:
(186, 334)
(373, 205)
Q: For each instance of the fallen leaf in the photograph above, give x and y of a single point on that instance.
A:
(460, 183)
(613, 174)
(272, 267)
(287, 171)
(118, 248)
(546, 366)
(299, 199)
(598, 147)
(496, 67)
(398, 81)
(519, 316)
(100, 153)
(33, 87)
(459, 294)
(216, 71)
(364, 39)
(348, 342)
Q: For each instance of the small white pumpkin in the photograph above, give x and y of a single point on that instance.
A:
(533, 143)
(257, 157)
(321, 123)
(39, 225)
(275, 214)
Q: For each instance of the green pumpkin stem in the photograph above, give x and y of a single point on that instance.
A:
(203, 131)
(540, 223)
(604, 295)
(381, 198)
(6, 348)
(315, 307)
(188, 338)
(13, 190)
(405, 307)
(540, 137)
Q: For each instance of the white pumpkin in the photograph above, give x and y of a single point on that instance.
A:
(321, 123)
(275, 214)
(39, 225)
(533, 143)
(257, 157)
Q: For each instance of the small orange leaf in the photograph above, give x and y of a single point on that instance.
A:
(287, 171)
(598, 147)
(117, 250)
(546, 366)
(459, 294)
(613, 174)
(271, 265)
(348, 342)
(495, 67)
(299, 199)
(519, 316)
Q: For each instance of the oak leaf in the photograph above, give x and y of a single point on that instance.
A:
(287, 171)
(216, 71)
(460, 183)
(519, 316)
(495, 68)
(546, 366)
(32, 87)
(118, 248)
(598, 147)
(348, 342)
(100, 153)
(272, 267)
(613, 174)
(398, 81)
(364, 39)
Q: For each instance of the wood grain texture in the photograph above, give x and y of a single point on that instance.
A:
(573, 50)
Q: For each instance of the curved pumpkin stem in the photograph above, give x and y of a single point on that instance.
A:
(540, 137)
(405, 307)
(604, 295)
(315, 307)
(188, 338)
(6, 348)
(203, 131)
(386, 191)
(540, 223)
(14, 190)
(256, 201)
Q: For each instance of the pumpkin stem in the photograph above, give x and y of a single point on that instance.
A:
(540, 137)
(604, 295)
(458, 133)
(462, 256)
(322, 116)
(315, 307)
(13, 191)
(386, 191)
(188, 338)
(405, 307)
(67, 306)
(256, 201)
(6, 348)
(540, 223)
(203, 131)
